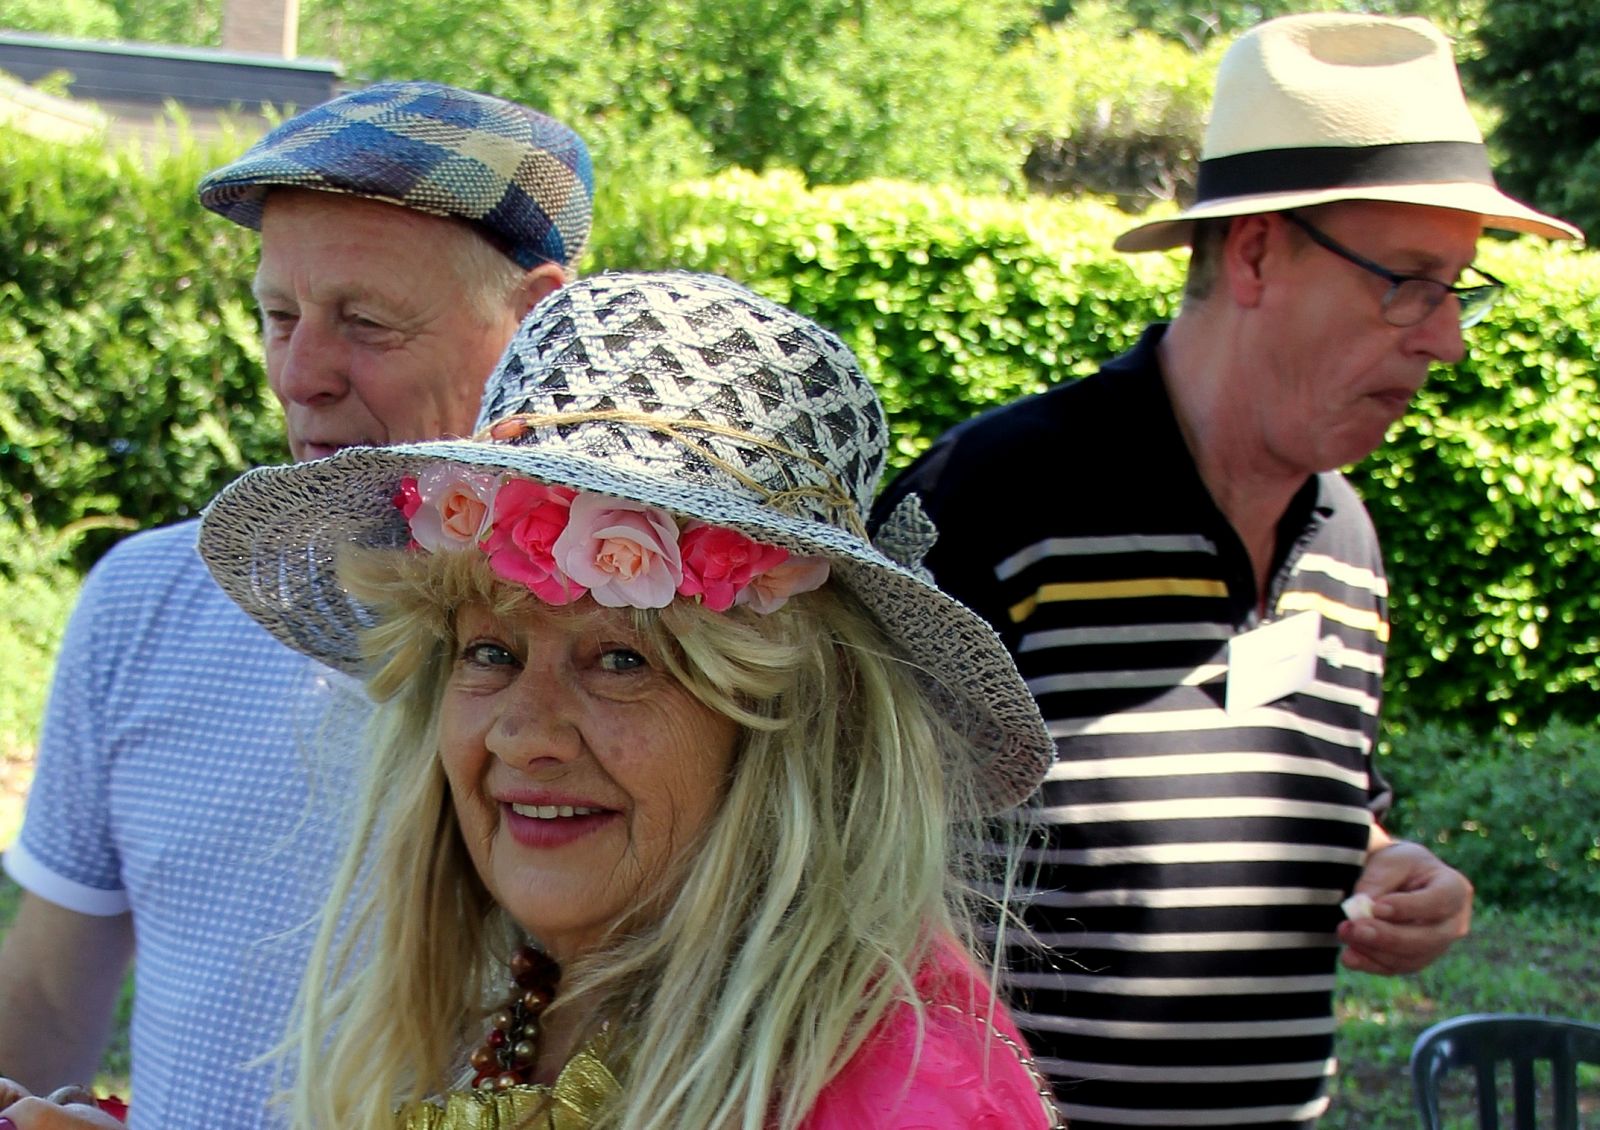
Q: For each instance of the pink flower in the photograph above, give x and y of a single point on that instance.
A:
(528, 520)
(768, 591)
(625, 552)
(451, 508)
(406, 498)
(718, 563)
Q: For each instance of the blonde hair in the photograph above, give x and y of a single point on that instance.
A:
(837, 856)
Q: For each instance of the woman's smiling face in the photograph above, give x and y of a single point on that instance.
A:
(579, 767)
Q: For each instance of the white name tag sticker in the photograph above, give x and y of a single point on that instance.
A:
(1273, 660)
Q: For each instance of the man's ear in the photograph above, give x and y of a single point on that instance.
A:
(538, 284)
(1243, 257)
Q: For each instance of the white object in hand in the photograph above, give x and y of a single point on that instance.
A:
(1357, 906)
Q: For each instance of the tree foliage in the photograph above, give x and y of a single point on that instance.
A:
(837, 89)
(80, 19)
(1539, 63)
(1114, 109)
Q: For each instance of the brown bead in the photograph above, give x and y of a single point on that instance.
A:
(484, 1059)
(531, 968)
(503, 1020)
(502, 1082)
(523, 1051)
(536, 1000)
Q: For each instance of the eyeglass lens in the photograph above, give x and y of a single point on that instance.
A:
(1409, 301)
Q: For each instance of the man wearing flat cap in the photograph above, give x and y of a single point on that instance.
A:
(1197, 599)
(185, 796)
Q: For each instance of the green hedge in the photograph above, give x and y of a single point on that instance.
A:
(130, 363)
(1515, 813)
(130, 376)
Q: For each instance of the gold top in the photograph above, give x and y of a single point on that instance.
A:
(584, 1086)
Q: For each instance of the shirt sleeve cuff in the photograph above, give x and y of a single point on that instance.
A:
(33, 876)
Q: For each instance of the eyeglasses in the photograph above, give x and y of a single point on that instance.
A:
(1411, 298)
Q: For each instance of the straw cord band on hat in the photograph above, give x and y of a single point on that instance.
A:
(836, 501)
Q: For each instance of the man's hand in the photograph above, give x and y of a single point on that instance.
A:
(1419, 907)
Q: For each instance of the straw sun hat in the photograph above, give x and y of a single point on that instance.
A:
(686, 393)
(1315, 108)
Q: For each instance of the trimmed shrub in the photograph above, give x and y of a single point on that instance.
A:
(1516, 814)
(130, 363)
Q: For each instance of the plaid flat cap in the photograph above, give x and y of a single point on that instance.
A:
(522, 178)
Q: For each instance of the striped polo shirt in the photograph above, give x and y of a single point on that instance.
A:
(1188, 868)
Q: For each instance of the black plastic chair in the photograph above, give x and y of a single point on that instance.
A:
(1483, 1041)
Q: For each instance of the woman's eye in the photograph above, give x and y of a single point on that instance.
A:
(484, 654)
(622, 659)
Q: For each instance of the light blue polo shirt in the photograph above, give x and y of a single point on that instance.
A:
(194, 771)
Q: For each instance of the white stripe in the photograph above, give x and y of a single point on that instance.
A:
(1146, 677)
(1338, 655)
(1122, 634)
(1194, 1030)
(1356, 576)
(1094, 547)
(1182, 897)
(1345, 696)
(1203, 808)
(1203, 764)
(1168, 1073)
(1178, 721)
(1215, 941)
(1234, 1116)
(1205, 852)
(1172, 986)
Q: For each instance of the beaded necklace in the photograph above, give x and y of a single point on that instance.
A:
(506, 1056)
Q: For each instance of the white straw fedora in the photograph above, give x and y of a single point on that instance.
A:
(686, 394)
(1310, 109)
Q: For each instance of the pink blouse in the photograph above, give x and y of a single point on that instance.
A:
(966, 1077)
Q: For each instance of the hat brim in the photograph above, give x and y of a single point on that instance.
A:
(1499, 211)
(273, 537)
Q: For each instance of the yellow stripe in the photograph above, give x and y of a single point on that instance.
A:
(1363, 620)
(1116, 590)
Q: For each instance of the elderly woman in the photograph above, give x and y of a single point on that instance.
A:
(669, 758)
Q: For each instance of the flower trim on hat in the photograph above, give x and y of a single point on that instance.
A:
(561, 544)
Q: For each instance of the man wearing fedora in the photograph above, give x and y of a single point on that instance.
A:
(185, 797)
(1198, 602)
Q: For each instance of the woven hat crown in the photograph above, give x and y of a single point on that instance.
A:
(696, 380)
(520, 177)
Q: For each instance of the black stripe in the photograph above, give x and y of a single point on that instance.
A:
(1316, 167)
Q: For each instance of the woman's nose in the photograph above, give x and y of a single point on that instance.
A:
(536, 723)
